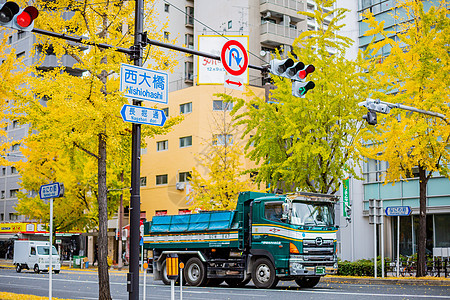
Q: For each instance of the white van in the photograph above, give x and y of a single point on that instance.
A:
(35, 255)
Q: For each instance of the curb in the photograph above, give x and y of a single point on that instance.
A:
(432, 281)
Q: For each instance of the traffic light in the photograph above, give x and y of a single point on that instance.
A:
(297, 72)
(299, 88)
(13, 17)
(371, 117)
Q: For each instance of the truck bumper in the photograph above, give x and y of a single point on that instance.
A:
(46, 267)
(298, 267)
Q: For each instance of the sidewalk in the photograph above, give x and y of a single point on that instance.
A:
(432, 281)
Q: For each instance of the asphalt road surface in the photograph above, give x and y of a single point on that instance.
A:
(84, 285)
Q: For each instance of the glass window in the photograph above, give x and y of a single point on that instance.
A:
(312, 214)
(33, 251)
(2, 195)
(273, 211)
(189, 15)
(186, 108)
(222, 139)
(162, 145)
(184, 176)
(21, 34)
(185, 141)
(13, 193)
(166, 7)
(189, 71)
(13, 217)
(189, 40)
(166, 35)
(160, 212)
(43, 250)
(143, 181)
(442, 224)
(14, 170)
(161, 179)
(15, 124)
(221, 105)
(15, 147)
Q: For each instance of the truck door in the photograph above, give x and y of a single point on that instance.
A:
(270, 232)
(32, 257)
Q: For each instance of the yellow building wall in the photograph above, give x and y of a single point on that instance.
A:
(201, 125)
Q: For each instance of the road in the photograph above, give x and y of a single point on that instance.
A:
(71, 284)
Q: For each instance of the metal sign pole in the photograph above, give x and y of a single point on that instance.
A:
(398, 246)
(50, 249)
(375, 247)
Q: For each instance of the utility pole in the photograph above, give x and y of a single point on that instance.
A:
(135, 199)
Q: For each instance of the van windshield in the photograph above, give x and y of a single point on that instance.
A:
(312, 214)
(43, 250)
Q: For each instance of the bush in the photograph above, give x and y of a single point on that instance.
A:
(362, 267)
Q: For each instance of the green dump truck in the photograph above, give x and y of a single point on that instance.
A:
(267, 238)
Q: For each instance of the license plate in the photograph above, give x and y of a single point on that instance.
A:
(320, 270)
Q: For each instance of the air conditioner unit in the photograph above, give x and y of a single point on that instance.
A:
(180, 185)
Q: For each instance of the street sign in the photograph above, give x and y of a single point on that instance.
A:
(234, 82)
(144, 84)
(52, 190)
(398, 211)
(143, 115)
(234, 58)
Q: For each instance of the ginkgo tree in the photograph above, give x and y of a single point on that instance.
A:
(415, 74)
(78, 136)
(219, 178)
(307, 143)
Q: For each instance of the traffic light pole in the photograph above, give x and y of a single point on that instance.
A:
(135, 199)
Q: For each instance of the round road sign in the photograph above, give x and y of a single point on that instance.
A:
(234, 58)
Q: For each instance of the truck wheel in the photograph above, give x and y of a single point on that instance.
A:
(237, 282)
(36, 269)
(57, 272)
(263, 274)
(18, 268)
(194, 273)
(307, 282)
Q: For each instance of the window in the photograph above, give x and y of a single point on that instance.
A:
(166, 111)
(143, 181)
(10, 39)
(33, 251)
(185, 141)
(13, 217)
(222, 105)
(2, 195)
(15, 124)
(189, 40)
(186, 108)
(166, 7)
(13, 193)
(160, 212)
(15, 147)
(166, 35)
(2, 217)
(162, 145)
(222, 139)
(14, 170)
(161, 179)
(184, 176)
(273, 211)
(189, 15)
(189, 71)
(230, 24)
(21, 54)
(184, 211)
(21, 34)
(3, 171)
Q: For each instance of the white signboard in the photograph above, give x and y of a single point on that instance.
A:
(211, 71)
(144, 84)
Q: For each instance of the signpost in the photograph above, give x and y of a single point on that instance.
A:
(143, 115)
(398, 211)
(144, 84)
(50, 191)
(235, 61)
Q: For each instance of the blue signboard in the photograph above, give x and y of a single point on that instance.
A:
(144, 84)
(394, 211)
(143, 115)
(51, 190)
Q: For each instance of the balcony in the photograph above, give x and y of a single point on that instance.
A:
(278, 8)
(275, 35)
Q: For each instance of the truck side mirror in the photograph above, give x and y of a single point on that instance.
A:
(285, 214)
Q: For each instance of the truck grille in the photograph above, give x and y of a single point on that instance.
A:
(318, 250)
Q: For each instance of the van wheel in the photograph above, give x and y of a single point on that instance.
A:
(36, 269)
(18, 268)
(263, 274)
(57, 272)
(195, 272)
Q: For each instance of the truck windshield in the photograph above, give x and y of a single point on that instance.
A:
(43, 250)
(312, 214)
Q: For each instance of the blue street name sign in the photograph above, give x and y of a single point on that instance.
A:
(52, 190)
(143, 115)
(394, 211)
(144, 84)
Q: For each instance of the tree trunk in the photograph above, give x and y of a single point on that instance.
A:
(103, 276)
(422, 234)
